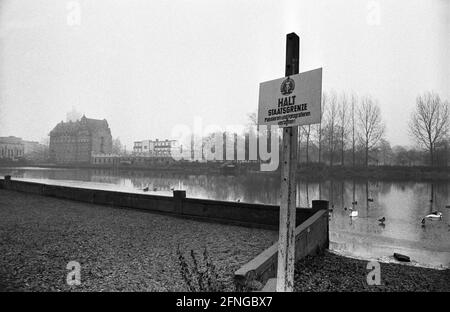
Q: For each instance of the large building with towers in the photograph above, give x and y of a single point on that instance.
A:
(76, 141)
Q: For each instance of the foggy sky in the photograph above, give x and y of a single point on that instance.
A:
(146, 66)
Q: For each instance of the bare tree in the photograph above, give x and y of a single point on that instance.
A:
(318, 134)
(117, 146)
(385, 151)
(429, 124)
(370, 126)
(354, 100)
(300, 136)
(343, 124)
(252, 119)
(322, 121)
(307, 133)
(332, 124)
(252, 130)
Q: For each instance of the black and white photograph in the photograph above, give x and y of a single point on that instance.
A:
(236, 148)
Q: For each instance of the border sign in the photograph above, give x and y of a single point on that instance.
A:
(291, 101)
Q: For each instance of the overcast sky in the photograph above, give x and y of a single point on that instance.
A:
(148, 65)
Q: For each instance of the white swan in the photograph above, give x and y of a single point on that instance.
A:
(434, 215)
(354, 213)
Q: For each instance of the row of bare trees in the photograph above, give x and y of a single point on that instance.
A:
(352, 131)
(347, 121)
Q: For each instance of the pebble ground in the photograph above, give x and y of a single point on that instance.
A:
(331, 272)
(118, 249)
(129, 250)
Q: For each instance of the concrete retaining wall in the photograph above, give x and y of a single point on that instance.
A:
(311, 237)
(253, 215)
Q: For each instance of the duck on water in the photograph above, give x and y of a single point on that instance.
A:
(434, 216)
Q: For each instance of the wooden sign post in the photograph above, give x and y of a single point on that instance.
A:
(289, 102)
(286, 241)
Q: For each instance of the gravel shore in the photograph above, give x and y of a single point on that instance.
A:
(331, 272)
(118, 249)
(130, 250)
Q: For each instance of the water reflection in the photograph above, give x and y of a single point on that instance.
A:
(403, 204)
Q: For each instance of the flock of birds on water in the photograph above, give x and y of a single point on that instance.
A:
(435, 215)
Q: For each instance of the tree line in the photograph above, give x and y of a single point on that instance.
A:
(352, 133)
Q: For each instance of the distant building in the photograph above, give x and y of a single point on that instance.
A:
(113, 160)
(35, 151)
(75, 142)
(105, 159)
(31, 147)
(11, 148)
(154, 148)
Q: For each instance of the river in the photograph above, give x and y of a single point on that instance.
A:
(403, 204)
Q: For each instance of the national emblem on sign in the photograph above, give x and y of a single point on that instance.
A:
(287, 86)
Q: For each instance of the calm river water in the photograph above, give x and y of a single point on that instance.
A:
(403, 204)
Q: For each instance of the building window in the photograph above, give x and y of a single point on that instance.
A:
(102, 142)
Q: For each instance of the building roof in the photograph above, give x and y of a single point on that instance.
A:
(83, 124)
(154, 141)
(10, 140)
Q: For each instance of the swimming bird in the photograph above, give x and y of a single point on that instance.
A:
(355, 203)
(370, 199)
(345, 208)
(434, 215)
(354, 213)
(423, 222)
(382, 220)
(145, 189)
